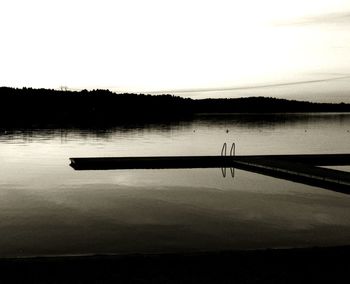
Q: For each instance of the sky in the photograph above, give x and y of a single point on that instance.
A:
(293, 48)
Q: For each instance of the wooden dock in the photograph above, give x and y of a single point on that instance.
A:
(300, 168)
(171, 162)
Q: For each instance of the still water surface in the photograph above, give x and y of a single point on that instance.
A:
(47, 208)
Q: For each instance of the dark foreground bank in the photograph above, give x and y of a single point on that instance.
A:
(311, 265)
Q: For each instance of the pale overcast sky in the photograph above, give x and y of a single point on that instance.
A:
(290, 48)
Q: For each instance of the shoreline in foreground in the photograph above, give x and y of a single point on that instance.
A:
(296, 265)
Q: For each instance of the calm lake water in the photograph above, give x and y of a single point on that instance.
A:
(47, 208)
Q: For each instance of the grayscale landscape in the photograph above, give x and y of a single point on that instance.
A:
(182, 142)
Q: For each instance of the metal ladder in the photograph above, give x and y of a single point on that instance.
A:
(232, 153)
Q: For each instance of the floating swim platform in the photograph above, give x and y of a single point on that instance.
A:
(299, 168)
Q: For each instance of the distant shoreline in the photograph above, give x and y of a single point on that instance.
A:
(27, 106)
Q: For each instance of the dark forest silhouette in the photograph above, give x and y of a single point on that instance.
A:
(29, 106)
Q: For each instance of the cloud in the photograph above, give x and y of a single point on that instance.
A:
(324, 19)
(263, 86)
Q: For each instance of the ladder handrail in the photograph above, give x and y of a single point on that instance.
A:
(233, 149)
(223, 150)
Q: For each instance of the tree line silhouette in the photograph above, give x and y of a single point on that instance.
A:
(46, 106)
